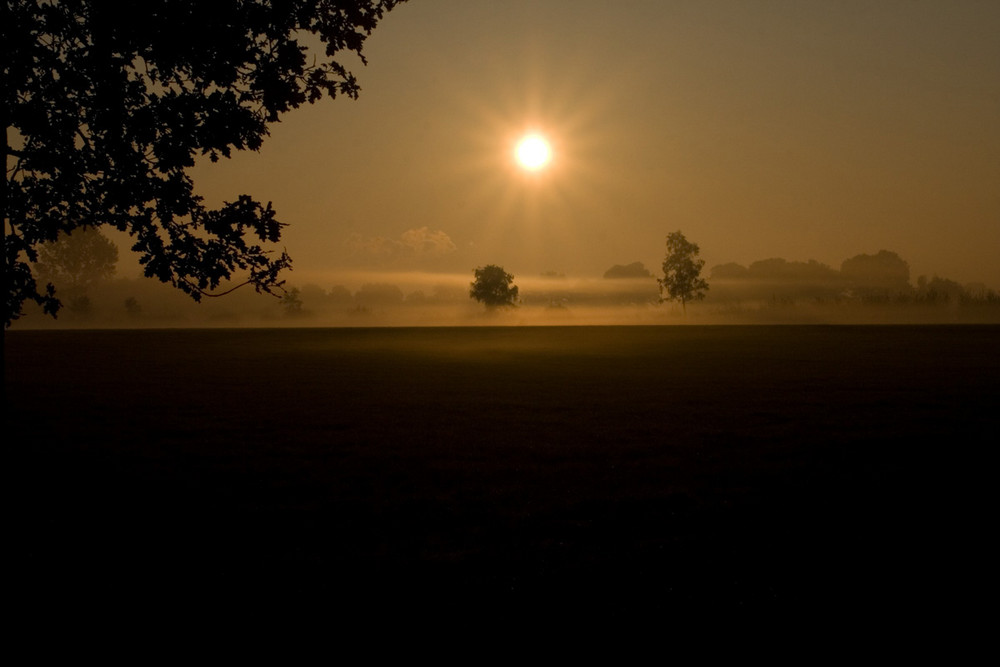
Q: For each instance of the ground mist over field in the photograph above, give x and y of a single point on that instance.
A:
(386, 299)
(598, 471)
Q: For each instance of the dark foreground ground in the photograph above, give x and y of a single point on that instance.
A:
(534, 471)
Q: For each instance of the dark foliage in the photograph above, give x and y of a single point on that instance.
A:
(378, 294)
(106, 110)
(885, 270)
(783, 270)
(682, 279)
(132, 307)
(633, 270)
(778, 269)
(292, 303)
(77, 260)
(493, 287)
(729, 271)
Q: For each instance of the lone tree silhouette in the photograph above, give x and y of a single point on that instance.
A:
(493, 287)
(77, 260)
(682, 279)
(105, 111)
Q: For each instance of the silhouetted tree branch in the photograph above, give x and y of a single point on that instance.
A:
(105, 110)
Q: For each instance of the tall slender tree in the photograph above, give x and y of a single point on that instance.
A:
(682, 279)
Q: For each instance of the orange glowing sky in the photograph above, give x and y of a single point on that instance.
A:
(799, 129)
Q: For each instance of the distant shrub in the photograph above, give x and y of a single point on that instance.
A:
(633, 270)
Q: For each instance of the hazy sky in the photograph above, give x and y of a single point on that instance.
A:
(798, 129)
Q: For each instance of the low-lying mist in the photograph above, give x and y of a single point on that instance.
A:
(377, 299)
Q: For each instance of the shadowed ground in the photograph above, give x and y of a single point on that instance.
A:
(594, 470)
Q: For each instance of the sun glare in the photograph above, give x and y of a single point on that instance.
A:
(533, 152)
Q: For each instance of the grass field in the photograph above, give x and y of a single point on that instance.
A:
(533, 469)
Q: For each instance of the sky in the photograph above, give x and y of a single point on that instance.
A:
(798, 129)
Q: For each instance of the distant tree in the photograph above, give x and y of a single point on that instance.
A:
(941, 290)
(340, 295)
(885, 270)
(976, 291)
(132, 307)
(75, 261)
(781, 270)
(682, 279)
(106, 109)
(378, 294)
(416, 298)
(292, 302)
(633, 270)
(314, 295)
(730, 271)
(81, 306)
(493, 287)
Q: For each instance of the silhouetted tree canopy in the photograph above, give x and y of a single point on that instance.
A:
(941, 289)
(77, 260)
(883, 270)
(682, 279)
(107, 107)
(633, 270)
(493, 287)
(777, 269)
(729, 271)
(292, 303)
(379, 294)
(783, 270)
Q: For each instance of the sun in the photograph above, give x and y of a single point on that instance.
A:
(533, 152)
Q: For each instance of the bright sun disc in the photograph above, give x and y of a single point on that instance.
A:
(533, 152)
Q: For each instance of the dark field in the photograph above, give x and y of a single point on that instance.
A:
(597, 470)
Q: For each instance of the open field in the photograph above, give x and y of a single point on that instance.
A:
(535, 469)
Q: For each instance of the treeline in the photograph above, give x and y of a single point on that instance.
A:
(882, 278)
(147, 302)
(878, 283)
